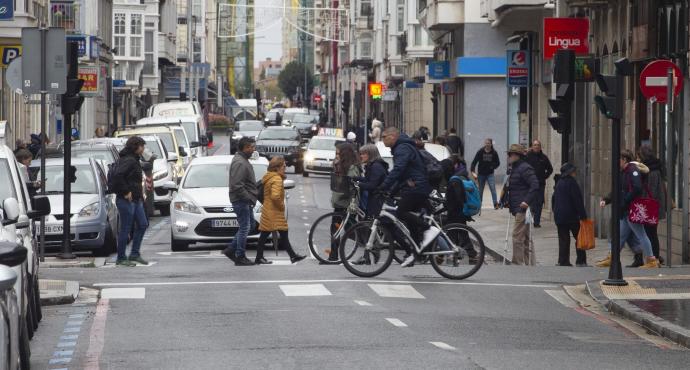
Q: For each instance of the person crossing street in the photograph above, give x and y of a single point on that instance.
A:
(523, 186)
(543, 169)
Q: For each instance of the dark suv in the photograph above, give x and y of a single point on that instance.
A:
(284, 141)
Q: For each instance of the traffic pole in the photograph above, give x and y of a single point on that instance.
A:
(44, 92)
(669, 165)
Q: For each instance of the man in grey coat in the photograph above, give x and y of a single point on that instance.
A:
(523, 186)
(243, 196)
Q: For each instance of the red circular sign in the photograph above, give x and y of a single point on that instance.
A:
(653, 80)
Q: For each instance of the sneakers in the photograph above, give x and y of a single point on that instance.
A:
(243, 261)
(409, 260)
(262, 261)
(125, 262)
(138, 259)
(606, 262)
(230, 253)
(637, 261)
(650, 263)
(297, 258)
(430, 235)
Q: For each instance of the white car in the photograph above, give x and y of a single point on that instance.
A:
(193, 127)
(320, 155)
(201, 211)
(163, 172)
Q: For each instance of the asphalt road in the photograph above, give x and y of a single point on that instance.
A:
(196, 310)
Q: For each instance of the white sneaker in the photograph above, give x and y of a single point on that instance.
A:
(409, 261)
(430, 235)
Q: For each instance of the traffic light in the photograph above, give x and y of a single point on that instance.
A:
(608, 103)
(561, 122)
(71, 100)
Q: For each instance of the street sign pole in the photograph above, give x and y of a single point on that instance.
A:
(366, 110)
(669, 163)
(43, 31)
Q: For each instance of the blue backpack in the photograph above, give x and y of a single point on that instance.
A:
(473, 202)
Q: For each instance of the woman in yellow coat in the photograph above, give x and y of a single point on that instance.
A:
(273, 212)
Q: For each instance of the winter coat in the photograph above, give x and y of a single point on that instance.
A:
(342, 199)
(242, 182)
(273, 210)
(630, 187)
(523, 186)
(455, 198)
(487, 161)
(374, 174)
(128, 176)
(541, 165)
(409, 171)
(655, 182)
(568, 203)
(455, 144)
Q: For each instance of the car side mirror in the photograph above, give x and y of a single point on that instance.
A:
(172, 157)
(23, 222)
(12, 254)
(40, 206)
(11, 208)
(182, 152)
(170, 185)
(289, 184)
(194, 144)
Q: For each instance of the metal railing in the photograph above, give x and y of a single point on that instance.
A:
(65, 14)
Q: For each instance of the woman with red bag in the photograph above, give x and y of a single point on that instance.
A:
(631, 190)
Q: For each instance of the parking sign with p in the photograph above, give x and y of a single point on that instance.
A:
(9, 53)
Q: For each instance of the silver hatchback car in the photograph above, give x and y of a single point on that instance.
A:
(93, 214)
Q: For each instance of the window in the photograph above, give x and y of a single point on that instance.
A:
(365, 46)
(149, 65)
(401, 15)
(135, 24)
(135, 47)
(197, 50)
(417, 35)
(119, 24)
(119, 45)
(365, 9)
(132, 72)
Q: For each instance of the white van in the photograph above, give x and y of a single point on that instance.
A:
(192, 126)
(185, 110)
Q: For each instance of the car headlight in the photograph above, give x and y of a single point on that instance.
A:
(160, 175)
(237, 136)
(308, 157)
(92, 210)
(315, 128)
(188, 207)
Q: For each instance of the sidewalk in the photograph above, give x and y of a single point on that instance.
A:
(660, 304)
(54, 292)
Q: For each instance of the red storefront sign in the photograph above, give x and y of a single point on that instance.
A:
(566, 34)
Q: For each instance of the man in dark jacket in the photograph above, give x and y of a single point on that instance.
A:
(409, 174)
(523, 186)
(487, 160)
(543, 169)
(127, 184)
(243, 196)
(568, 210)
(455, 143)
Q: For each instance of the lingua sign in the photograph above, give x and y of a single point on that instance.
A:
(566, 34)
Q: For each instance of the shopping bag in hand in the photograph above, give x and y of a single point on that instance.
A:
(585, 238)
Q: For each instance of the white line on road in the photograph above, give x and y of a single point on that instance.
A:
(442, 345)
(305, 210)
(363, 303)
(305, 218)
(230, 282)
(562, 297)
(124, 293)
(396, 291)
(396, 322)
(304, 290)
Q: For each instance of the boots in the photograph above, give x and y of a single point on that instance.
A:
(637, 261)
(606, 262)
(650, 263)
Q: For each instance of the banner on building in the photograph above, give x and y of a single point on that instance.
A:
(90, 75)
(6, 10)
(437, 71)
(566, 34)
(390, 95)
(518, 72)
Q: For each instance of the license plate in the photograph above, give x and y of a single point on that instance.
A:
(53, 229)
(224, 223)
(323, 163)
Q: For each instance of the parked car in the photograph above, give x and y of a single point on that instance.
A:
(162, 172)
(320, 155)
(97, 149)
(283, 141)
(193, 127)
(198, 213)
(244, 129)
(290, 114)
(176, 151)
(272, 116)
(306, 124)
(93, 214)
(12, 342)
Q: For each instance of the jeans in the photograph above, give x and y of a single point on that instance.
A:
(653, 236)
(131, 215)
(629, 230)
(483, 179)
(415, 224)
(564, 231)
(243, 210)
(538, 206)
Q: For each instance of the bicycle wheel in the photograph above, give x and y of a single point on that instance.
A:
(460, 255)
(363, 261)
(321, 236)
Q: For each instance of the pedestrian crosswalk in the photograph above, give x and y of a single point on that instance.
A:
(382, 290)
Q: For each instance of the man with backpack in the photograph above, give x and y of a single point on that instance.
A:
(434, 170)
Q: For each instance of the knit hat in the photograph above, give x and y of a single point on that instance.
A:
(567, 169)
(517, 149)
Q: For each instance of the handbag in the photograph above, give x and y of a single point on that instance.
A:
(644, 210)
(585, 237)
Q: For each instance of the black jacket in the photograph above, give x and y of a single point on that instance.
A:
(523, 186)
(541, 165)
(568, 203)
(487, 162)
(409, 171)
(630, 188)
(128, 176)
(374, 174)
(455, 144)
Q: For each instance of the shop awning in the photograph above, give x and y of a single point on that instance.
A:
(480, 67)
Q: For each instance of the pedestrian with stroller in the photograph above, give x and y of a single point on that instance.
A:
(522, 186)
(543, 169)
(568, 210)
(273, 212)
(486, 161)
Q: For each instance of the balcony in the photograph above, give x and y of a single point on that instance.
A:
(442, 15)
(493, 9)
(167, 49)
(65, 14)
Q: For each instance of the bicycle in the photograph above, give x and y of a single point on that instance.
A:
(368, 248)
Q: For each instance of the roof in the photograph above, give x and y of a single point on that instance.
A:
(152, 130)
(284, 128)
(325, 137)
(225, 159)
(162, 120)
(185, 107)
(60, 162)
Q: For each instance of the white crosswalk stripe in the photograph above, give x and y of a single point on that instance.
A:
(304, 290)
(396, 291)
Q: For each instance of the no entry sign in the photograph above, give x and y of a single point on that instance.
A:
(654, 80)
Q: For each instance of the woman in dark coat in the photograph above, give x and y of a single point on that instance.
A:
(375, 171)
(568, 209)
(655, 182)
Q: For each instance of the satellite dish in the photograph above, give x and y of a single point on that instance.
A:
(14, 75)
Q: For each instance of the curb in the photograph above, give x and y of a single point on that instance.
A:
(651, 322)
(497, 256)
(68, 263)
(56, 292)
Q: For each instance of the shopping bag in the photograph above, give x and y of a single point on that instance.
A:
(529, 219)
(585, 238)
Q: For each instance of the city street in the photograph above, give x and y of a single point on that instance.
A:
(196, 310)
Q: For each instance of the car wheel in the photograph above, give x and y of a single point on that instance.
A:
(305, 174)
(178, 245)
(31, 322)
(24, 347)
(165, 211)
(109, 245)
(37, 300)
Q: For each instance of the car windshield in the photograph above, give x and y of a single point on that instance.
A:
(304, 118)
(154, 148)
(190, 130)
(271, 116)
(180, 137)
(278, 135)
(249, 126)
(215, 175)
(165, 137)
(289, 116)
(103, 154)
(7, 185)
(85, 184)
(323, 144)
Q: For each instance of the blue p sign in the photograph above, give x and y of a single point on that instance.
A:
(9, 53)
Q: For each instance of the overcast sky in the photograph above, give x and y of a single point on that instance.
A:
(268, 40)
